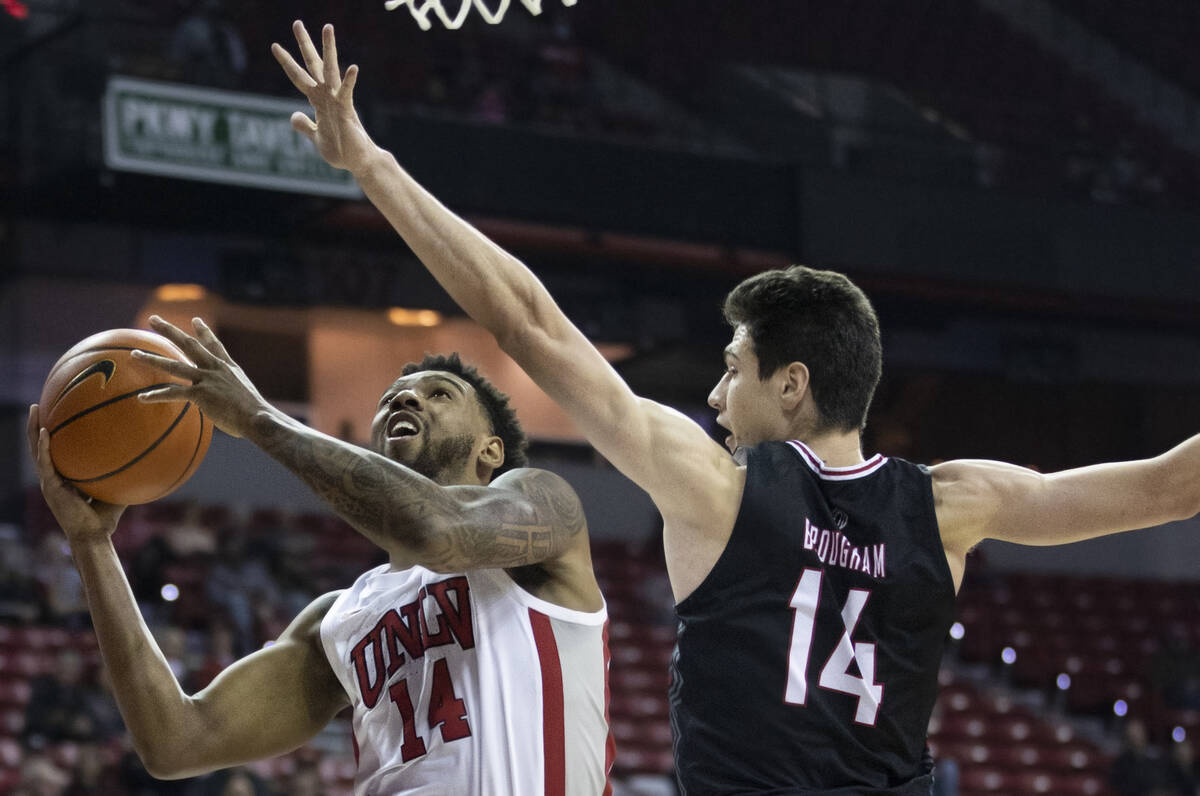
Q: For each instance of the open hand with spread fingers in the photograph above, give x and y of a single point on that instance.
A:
(218, 384)
(337, 132)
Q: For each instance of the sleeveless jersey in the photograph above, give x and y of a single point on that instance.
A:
(807, 659)
(467, 684)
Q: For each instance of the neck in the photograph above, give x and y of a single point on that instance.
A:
(835, 448)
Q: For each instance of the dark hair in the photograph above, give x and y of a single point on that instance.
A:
(495, 404)
(822, 319)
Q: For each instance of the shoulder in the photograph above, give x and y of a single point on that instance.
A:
(968, 493)
(307, 624)
(532, 479)
(965, 478)
(545, 490)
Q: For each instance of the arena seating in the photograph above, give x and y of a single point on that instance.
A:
(1001, 747)
(1159, 33)
(965, 68)
(1106, 633)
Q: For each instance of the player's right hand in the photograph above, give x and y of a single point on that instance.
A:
(337, 131)
(81, 518)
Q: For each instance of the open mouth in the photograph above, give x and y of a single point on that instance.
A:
(403, 428)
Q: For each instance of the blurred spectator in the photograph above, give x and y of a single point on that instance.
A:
(18, 590)
(269, 620)
(146, 573)
(190, 536)
(1181, 779)
(296, 584)
(219, 655)
(1175, 670)
(173, 643)
(91, 774)
(41, 777)
(230, 782)
(236, 583)
(1138, 769)
(58, 704)
(60, 585)
(305, 780)
(136, 781)
(99, 704)
(655, 597)
(206, 46)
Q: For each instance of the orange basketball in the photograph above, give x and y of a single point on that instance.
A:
(104, 440)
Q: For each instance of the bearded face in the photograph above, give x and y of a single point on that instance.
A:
(430, 421)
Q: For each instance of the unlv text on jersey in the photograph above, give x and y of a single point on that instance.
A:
(404, 634)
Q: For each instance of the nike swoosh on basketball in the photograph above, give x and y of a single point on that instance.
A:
(105, 367)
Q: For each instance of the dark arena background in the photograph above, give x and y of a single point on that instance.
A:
(1015, 183)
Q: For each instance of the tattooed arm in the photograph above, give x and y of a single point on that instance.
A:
(524, 517)
(527, 521)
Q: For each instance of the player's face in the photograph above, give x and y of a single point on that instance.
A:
(432, 422)
(745, 404)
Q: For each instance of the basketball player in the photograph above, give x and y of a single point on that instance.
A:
(475, 662)
(814, 586)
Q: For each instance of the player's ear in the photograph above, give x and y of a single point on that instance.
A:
(491, 453)
(793, 384)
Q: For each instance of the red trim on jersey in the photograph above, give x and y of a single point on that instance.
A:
(610, 743)
(818, 466)
(554, 742)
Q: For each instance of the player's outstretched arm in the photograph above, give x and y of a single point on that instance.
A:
(979, 500)
(264, 705)
(526, 516)
(664, 452)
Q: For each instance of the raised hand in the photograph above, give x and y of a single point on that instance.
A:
(336, 131)
(81, 518)
(218, 385)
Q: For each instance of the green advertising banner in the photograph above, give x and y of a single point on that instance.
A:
(213, 136)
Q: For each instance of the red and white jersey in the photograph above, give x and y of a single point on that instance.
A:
(468, 684)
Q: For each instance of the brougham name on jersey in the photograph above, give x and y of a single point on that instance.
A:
(834, 549)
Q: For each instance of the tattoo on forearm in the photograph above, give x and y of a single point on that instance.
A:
(447, 528)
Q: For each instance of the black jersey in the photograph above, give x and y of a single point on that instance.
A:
(807, 659)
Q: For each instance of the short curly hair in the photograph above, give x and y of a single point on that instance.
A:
(501, 415)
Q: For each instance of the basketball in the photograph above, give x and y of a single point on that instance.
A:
(104, 440)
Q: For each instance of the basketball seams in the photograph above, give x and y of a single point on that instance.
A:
(108, 402)
(169, 350)
(143, 454)
(187, 471)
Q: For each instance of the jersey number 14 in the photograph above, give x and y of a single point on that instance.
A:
(835, 675)
(445, 709)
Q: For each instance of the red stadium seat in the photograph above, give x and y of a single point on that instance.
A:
(648, 761)
(982, 779)
(1080, 785)
(14, 693)
(12, 721)
(11, 753)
